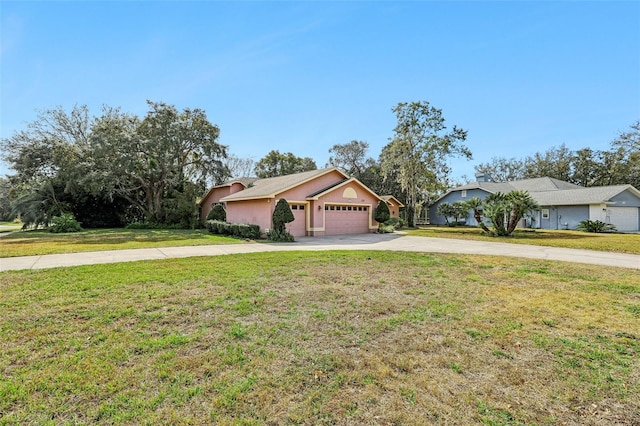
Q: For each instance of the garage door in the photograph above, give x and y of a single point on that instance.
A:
(624, 218)
(298, 228)
(346, 219)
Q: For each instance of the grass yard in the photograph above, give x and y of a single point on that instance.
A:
(43, 242)
(322, 338)
(621, 243)
(10, 226)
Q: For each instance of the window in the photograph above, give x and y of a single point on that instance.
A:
(463, 193)
(301, 207)
(294, 207)
(333, 207)
(545, 213)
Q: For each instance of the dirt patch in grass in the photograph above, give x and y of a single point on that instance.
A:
(322, 338)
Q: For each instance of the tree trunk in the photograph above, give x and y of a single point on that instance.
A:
(478, 218)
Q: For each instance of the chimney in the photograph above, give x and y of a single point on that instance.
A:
(482, 177)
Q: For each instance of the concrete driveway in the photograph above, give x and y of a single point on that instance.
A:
(388, 242)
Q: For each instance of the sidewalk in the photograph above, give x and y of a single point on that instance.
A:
(389, 242)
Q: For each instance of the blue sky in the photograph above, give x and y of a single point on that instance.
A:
(301, 76)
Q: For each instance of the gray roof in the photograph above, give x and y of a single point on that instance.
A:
(568, 197)
(270, 187)
(543, 184)
(530, 185)
(551, 192)
(491, 187)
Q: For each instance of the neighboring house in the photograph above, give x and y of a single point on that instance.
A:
(323, 202)
(562, 204)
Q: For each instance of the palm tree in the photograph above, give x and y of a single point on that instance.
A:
(445, 210)
(495, 208)
(475, 204)
(520, 203)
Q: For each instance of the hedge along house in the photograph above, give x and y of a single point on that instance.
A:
(562, 204)
(323, 202)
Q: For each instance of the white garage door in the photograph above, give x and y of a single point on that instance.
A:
(624, 218)
(346, 219)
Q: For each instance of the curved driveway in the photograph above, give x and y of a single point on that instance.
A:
(389, 242)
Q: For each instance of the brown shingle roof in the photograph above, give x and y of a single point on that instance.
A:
(270, 187)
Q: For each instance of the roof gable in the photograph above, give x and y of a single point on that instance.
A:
(244, 181)
(391, 199)
(271, 187)
(338, 185)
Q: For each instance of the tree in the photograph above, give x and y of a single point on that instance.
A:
(239, 167)
(382, 213)
(586, 167)
(6, 212)
(419, 150)
(148, 160)
(48, 158)
(520, 203)
(475, 205)
(217, 213)
(446, 211)
(504, 211)
(350, 157)
(277, 164)
(456, 211)
(117, 165)
(627, 146)
(501, 169)
(282, 215)
(53, 145)
(555, 163)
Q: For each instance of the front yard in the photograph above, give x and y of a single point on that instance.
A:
(322, 338)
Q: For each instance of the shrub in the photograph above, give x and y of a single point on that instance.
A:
(385, 229)
(152, 225)
(382, 213)
(280, 236)
(282, 215)
(396, 222)
(239, 230)
(217, 213)
(64, 223)
(596, 226)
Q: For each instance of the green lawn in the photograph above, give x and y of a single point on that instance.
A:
(622, 243)
(43, 242)
(10, 226)
(321, 338)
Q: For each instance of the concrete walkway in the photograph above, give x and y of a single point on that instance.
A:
(389, 242)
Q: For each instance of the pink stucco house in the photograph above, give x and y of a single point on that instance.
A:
(323, 202)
